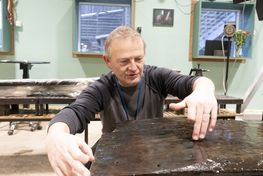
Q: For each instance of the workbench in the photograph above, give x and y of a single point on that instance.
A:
(39, 93)
(221, 100)
(165, 147)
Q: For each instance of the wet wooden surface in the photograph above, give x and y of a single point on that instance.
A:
(164, 147)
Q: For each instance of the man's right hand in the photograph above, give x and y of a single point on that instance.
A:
(67, 153)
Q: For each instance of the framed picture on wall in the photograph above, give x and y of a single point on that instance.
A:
(163, 17)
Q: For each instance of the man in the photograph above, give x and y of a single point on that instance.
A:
(131, 91)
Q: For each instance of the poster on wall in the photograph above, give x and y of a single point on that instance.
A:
(163, 17)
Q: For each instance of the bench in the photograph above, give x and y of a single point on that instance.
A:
(40, 93)
(221, 100)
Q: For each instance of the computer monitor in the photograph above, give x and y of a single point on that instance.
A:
(214, 48)
(259, 7)
(239, 1)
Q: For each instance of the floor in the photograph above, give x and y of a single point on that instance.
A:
(23, 153)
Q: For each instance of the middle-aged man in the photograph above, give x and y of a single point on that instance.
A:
(131, 91)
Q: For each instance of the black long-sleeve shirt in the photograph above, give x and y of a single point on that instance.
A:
(104, 96)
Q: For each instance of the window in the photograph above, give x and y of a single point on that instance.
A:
(1, 26)
(96, 19)
(210, 18)
(6, 28)
(212, 30)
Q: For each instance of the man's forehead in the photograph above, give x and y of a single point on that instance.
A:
(127, 39)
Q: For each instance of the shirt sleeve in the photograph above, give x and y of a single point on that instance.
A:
(168, 81)
(78, 114)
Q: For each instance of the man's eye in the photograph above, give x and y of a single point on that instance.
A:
(139, 59)
(124, 62)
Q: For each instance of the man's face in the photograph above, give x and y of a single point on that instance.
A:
(127, 60)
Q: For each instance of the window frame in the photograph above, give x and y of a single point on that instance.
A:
(79, 54)
(195, 30)
(8, 30)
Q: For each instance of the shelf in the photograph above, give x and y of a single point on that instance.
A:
(87, 55)
(218, 59)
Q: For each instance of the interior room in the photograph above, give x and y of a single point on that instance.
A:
(51, 50)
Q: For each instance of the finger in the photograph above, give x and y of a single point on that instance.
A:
(60, 166)
(77, 166)
(80, 169)
(78, 154)
(204, 125)
(197, 124)
(80, 151)
(58, 171)
(87, 150)
(213, 118)
(191, 112)
(64, 167)
(177, 106)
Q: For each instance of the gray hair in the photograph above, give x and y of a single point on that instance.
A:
(121, 32)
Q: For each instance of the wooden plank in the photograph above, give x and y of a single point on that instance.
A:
(165, 147)
(26, 117)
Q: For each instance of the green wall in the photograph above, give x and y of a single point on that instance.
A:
(46, 35)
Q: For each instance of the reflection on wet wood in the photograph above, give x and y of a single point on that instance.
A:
(164, 147)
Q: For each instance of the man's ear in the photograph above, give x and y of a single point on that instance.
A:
(107, 61)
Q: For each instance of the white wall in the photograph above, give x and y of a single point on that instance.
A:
(47, 30)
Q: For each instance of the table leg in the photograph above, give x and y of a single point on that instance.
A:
(87, 133)
(238, 108)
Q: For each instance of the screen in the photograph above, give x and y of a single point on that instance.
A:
(214, 47)
(239, 1)
(259, 7)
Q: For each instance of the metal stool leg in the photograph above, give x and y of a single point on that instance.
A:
(35, 126)
(12, 126)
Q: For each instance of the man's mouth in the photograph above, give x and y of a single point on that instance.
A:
(132, 75)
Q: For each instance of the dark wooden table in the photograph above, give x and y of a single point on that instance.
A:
(164, 147)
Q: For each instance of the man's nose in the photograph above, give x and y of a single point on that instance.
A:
(132, 65)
